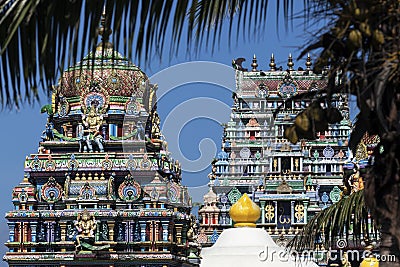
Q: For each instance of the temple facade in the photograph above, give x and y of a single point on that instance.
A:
(290, 181)
(102, 189)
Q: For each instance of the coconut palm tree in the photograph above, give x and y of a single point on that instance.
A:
(360, 43)
(37, 38)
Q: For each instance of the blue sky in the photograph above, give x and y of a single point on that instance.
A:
(21, 130)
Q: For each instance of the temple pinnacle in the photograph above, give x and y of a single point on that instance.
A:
(254, 65)
(272, 64)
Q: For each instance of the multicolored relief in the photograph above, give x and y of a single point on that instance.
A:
(290, 182)
(102, 186)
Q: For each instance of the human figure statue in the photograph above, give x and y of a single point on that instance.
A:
(92, 122)
(193, 229)
(83, 140)
(192, 235)
(86, 226)
(48, 134)
(140, 131)
(356, 182)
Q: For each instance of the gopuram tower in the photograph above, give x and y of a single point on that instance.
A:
(102, 190)
(290, 181)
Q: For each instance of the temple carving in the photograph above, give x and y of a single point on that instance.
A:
(102, 190)
(290, 177)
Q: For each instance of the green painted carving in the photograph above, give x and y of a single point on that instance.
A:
(61, 136)
(335, 194)
(74, 99)
(119, 99)
(225, 182)
(47, 108)
(234, 195)
(309, 180)
(94, 247)
(132, 134)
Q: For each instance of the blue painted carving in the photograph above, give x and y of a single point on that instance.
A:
(325, 199)
(214, 237)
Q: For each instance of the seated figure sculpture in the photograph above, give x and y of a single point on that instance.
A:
(88, 132)
(86, 226)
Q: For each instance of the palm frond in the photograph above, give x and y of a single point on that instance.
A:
(37, 38)
(347, 219)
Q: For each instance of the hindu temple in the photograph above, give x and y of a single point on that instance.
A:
(290, 180)
(102, 189)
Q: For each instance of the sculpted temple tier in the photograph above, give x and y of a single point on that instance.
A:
(102, 190)
(290, 180)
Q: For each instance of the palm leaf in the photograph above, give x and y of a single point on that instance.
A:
(39, 38)
(334, 223)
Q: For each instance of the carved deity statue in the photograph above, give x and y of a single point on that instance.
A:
(88, 132)
(193, 230)
(192, 235)
(92, 121)
(86, 226)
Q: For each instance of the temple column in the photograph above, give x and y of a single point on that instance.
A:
(184, 230)
(262, 204)
(142, 234)
(292, 211)
(127, 231)
(24, 233)
(158, 224)
(49, 232)
(178, 228)
(131, 231)
(97, 234)
(142, 231)
(270, 164)
(279, 165)
(33, 233)
(301, 164)
(291, 164)
(152, 231)
(223, 218)
(164, 225)
(11, 227)
(111, 225)
(305, 211)
(63, 226)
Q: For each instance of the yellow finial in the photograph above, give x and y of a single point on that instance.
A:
(370, 262)
(245, 212)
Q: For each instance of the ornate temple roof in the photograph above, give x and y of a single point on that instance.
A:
(102, 187)
(24, 192)
(276, 82)
(104, 69)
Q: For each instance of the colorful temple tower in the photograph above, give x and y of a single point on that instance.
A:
(290, 182)
(102, 190)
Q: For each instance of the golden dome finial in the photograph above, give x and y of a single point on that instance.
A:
(245, 212)
(254, 65)
(290, 63)
(272, 63)
(308, 62)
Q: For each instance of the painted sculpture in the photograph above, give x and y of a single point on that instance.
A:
(289, 181)
(86, 226)
(116, 204)
(89, 131)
